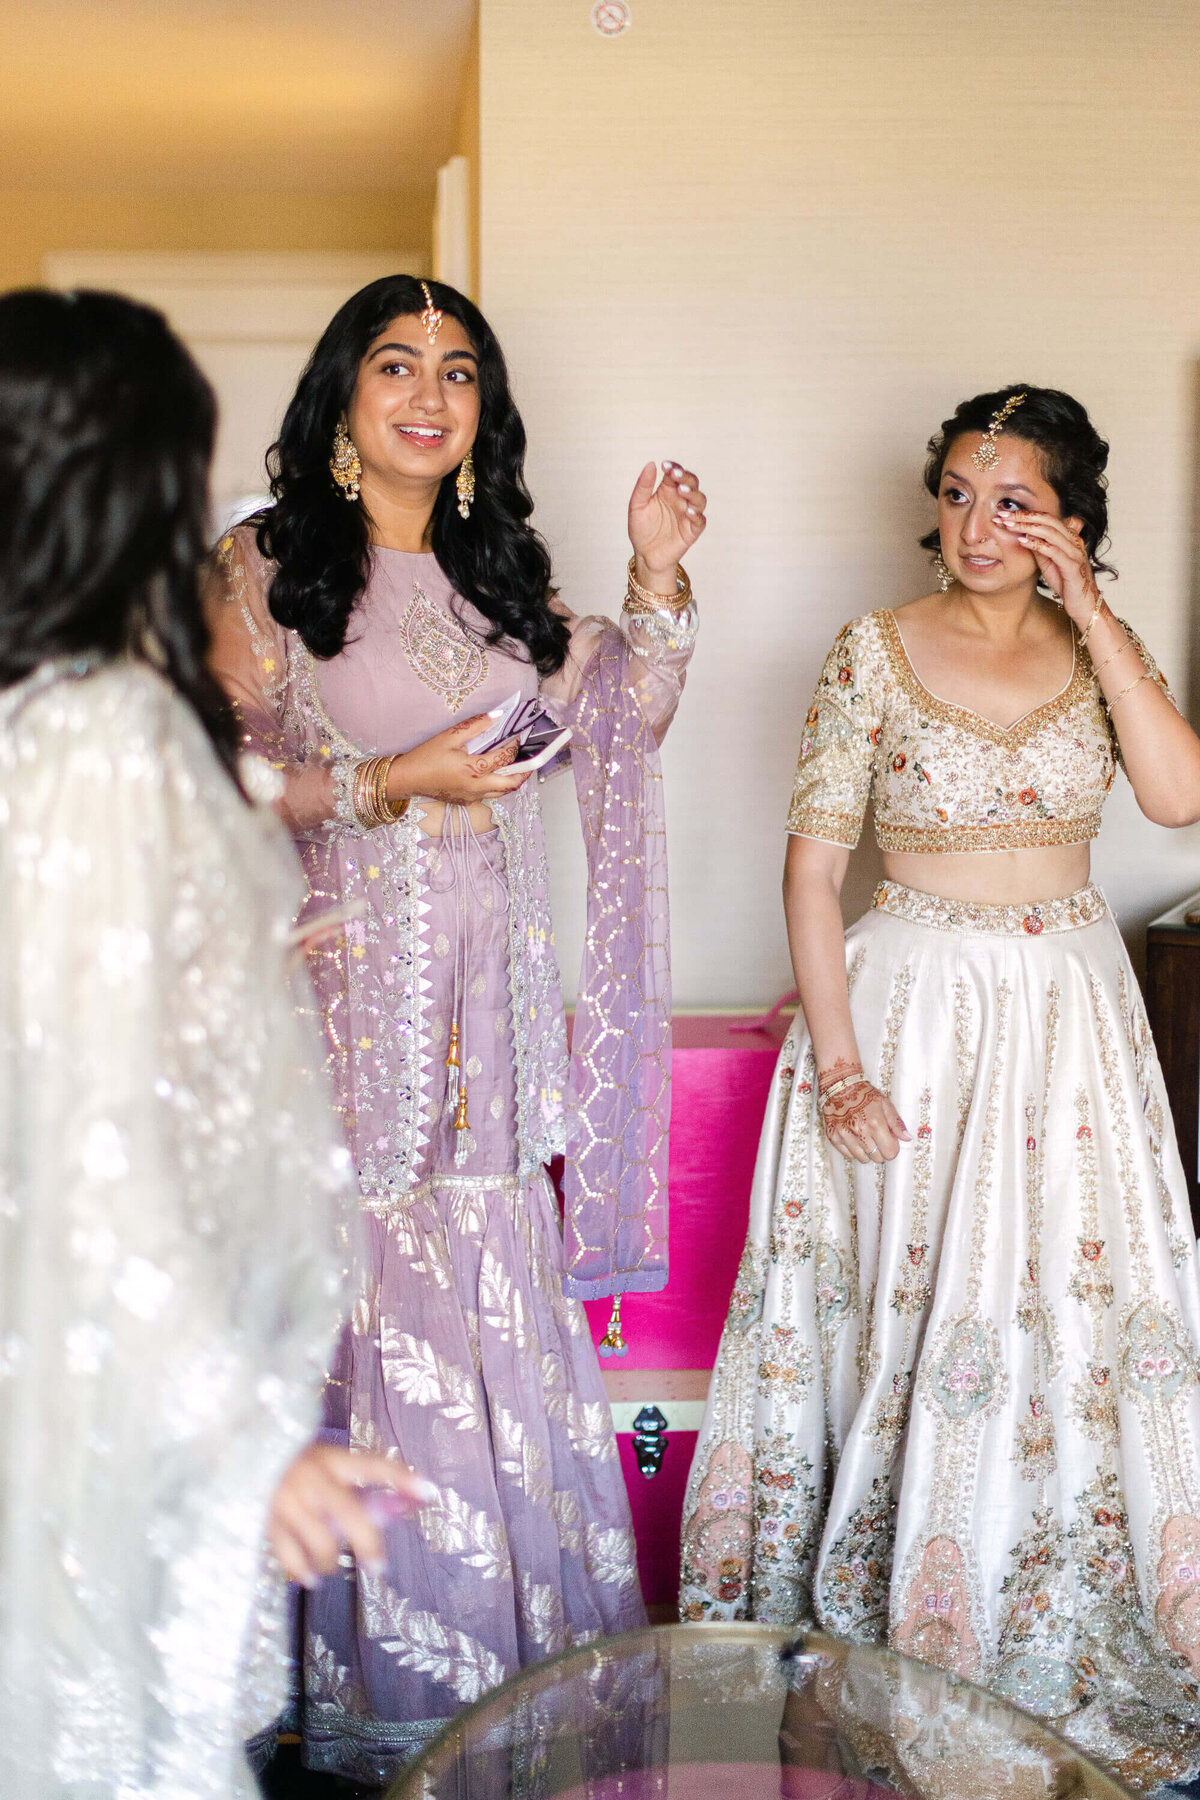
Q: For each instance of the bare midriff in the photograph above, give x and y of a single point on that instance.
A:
(1003, 876)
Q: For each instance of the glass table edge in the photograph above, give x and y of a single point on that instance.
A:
(811, 1640)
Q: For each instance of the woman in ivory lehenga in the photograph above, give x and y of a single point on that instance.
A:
(368, 624)
(956, 1405)
(173, 1194)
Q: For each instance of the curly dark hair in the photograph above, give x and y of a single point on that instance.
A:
(1073, 455)
(106, 432)
(496, 560)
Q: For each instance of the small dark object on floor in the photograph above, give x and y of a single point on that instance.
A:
(285, 1778)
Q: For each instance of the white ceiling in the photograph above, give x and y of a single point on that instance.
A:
(289, 95)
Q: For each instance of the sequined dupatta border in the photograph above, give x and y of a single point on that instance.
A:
(619, 1086)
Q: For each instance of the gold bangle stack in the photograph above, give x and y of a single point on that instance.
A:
(836, 1081)
(839, 1087)
(642, 601)
(369, 796)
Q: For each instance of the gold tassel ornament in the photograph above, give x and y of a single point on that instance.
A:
(613, 1342)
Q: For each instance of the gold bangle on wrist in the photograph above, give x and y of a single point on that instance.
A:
(1086, 633)
(358, 795)
(1136, 682)
(369, 797)
(836, 1073)
(1100, 667)
(840, 1087)
(379, 790)
(641, 601)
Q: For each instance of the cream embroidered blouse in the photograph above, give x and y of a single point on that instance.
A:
(941, 777)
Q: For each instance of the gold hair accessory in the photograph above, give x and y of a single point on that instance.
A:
(369, 795)
(987, 455)
(345, 465)
(465, 485)
(432, 317)
(641, 601)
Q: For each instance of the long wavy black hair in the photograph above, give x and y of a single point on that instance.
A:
(1073, 455)
(494, 559)
(106, 432)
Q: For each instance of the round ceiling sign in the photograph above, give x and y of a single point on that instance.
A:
(611, 17)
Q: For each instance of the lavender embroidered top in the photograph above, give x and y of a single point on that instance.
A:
(415, 662)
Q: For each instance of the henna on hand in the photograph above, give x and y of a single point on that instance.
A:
(837, 1072)
(846, 1109)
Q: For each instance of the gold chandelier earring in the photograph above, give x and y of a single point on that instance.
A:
(945, 579)
(345, 465)
(465, 485)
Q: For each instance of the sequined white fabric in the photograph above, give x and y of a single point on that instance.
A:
(171, 1244)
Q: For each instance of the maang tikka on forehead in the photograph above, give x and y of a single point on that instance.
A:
(432, 317)
(987, 455)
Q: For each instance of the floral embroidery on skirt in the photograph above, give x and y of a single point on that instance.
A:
(983, 1443)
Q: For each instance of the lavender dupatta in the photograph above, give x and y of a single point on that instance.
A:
(368, 978)
(619, 1088)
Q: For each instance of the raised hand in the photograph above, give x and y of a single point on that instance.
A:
(1062, 559)
(664, 522)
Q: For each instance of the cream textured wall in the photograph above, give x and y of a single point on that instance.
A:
(780, 239)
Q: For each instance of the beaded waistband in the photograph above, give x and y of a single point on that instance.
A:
(1024, 918)
(1014, 834)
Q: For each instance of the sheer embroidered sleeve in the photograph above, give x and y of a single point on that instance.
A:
(1156, 675)
(834, 770)
(660, 646)
(250, 658)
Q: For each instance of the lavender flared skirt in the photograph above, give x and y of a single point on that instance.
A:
(465, 1359)
(956, 1405)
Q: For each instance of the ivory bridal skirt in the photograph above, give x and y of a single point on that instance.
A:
(955, 1407)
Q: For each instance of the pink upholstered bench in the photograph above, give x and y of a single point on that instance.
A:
(721, 1080)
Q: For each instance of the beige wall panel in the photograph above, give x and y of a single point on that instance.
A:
(780, 239)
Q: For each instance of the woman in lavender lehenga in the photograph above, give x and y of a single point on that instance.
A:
(367, 624)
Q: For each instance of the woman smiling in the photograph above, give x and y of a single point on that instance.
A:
(368, 625)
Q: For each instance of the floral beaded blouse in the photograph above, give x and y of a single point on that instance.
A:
(943, 778)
